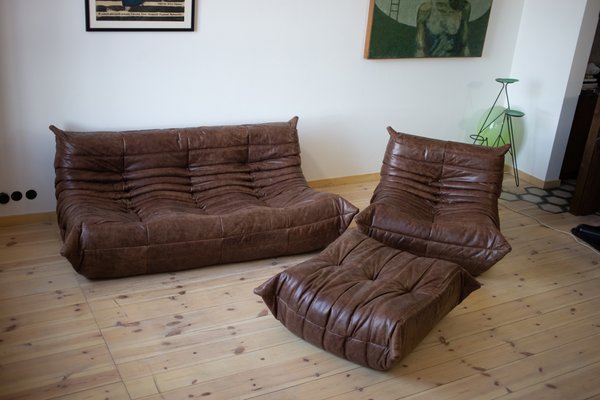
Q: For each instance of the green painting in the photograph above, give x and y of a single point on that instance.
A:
(422, 28)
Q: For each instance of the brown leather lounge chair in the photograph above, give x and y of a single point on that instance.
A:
(439, 199)
(372, 296)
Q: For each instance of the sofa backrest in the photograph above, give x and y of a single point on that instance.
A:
(442, 172)
(190, 161)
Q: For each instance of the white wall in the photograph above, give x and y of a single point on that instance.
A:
(550, 57)
(247, 61)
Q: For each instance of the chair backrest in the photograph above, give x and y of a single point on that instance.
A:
(442, 172)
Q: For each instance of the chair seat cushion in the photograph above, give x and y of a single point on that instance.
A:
(364, 301)
(467, 238)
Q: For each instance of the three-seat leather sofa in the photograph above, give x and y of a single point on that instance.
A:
(161, 200)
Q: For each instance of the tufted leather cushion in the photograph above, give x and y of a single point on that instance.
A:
(439, 199)
(364, 301)
(170, 199)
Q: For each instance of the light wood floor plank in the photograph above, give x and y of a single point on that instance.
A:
(58, 283)
(58, 374)
(149, 345)
(31, 251)
(48, 345)
(260, 379)
(114, 391)
(205, 352)
(580, 384)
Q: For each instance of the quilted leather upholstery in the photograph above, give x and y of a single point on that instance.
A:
(164, 200)
(439, 199)
(365, 301)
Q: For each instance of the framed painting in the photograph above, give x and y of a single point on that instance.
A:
(139, 15)
(426, 28)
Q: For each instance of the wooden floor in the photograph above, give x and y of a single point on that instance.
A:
(531, 332)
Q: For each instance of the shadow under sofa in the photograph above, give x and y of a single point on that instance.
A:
(162, 200)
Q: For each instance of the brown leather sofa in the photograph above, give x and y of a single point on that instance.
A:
(152, 201)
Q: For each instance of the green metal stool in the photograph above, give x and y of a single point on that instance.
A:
(507, 114)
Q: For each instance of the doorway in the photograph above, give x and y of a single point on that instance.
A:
(581, 162)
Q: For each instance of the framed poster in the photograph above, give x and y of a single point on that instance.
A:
(426, 28)
(139, 15)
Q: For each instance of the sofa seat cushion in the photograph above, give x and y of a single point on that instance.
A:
(439, 199)
(364, 301)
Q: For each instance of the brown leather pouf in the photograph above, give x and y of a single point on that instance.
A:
(364, 301)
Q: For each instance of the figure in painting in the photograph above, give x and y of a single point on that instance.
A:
(127, 4)
(132, 3)
(442, 28)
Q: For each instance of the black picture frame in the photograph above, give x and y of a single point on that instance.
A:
(134, 15)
